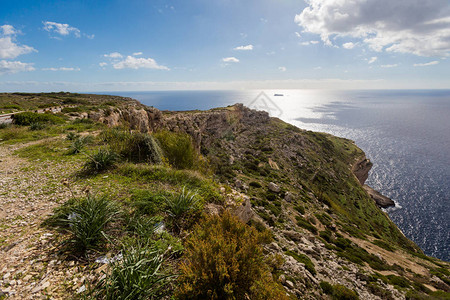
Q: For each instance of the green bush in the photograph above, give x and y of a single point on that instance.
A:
(149, 202)
(78, 144)
(71, 136)
(309, 265)
(341, 292)
(102, 160)
(28, 118)
(300, 209)
(36, 126)
(87, 219)
(302, 222)
(178, 148)
(384, 245)
(326, 287)
(255, 184)
(398, 281)
(133, 146)
(137, 275)
(224, 260)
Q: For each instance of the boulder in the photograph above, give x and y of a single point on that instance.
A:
(274, 187)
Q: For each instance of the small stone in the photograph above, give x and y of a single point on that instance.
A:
(289, 284)
(282, 279)
(81, 289)
(289, 197)
(274, 187)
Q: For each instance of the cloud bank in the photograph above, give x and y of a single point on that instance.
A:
(420, 27)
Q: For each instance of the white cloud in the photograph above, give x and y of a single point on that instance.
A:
(8, 30)
(230, 59)
(61, 69)
(244, 48)
(348, 45)
(131, 62)
(62, 29)
(103, 64)
(427, 64)
(372, 59)
(14, 67)
(309, 43)
(113, 55)
(282, 69)
(420, 27)
(9, 49)
(298, 34)
(389, 66)
(137, 53)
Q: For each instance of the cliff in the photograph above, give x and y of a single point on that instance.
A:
(330, 240)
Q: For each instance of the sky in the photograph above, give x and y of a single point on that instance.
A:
(139, 45)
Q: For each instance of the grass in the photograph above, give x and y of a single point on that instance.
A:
(87, 220)
(101, 160)
(302, 258)
(302, 222)
(138, 275)
(183, 203)
(133, 146)
(178, 148)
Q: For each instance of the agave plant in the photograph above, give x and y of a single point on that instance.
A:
(136, 276)
(88, 219)
(181, 204)
(100, 161)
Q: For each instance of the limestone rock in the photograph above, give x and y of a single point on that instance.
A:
(274, 187)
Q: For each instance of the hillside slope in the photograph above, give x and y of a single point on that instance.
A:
(328, 238)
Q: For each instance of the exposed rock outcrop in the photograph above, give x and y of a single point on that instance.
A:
(380, 200)
(361, 170)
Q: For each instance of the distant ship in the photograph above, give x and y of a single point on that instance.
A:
(278, 95)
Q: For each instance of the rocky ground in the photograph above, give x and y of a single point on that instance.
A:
(30, 265)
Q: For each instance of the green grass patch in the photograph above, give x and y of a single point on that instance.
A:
(302, 258)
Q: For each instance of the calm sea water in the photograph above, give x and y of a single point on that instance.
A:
(406, 134)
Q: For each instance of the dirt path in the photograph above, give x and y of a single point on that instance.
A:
(30, 267)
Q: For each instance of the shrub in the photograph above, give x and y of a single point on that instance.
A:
(224, 260)
(4, 125)
(136, 276)
(341, 292)
(149, 202)
(300, 209)
(384, 245)
(78, 144)
(302, 222)
(102, 160)
(36, 126)
(178, 148)
(28, 118)
(133, 146)
(398, 281)
(255, 184)
(87, 219)
(309, 265)
(71, 136)
(326, 287)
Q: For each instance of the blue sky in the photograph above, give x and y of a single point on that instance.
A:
(131, 45)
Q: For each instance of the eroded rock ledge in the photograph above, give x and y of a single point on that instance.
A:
(361, 170)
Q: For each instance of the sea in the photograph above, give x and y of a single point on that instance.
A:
(405, 133)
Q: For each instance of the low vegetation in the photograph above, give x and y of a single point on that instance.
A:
(224, 260)
(142, 211)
